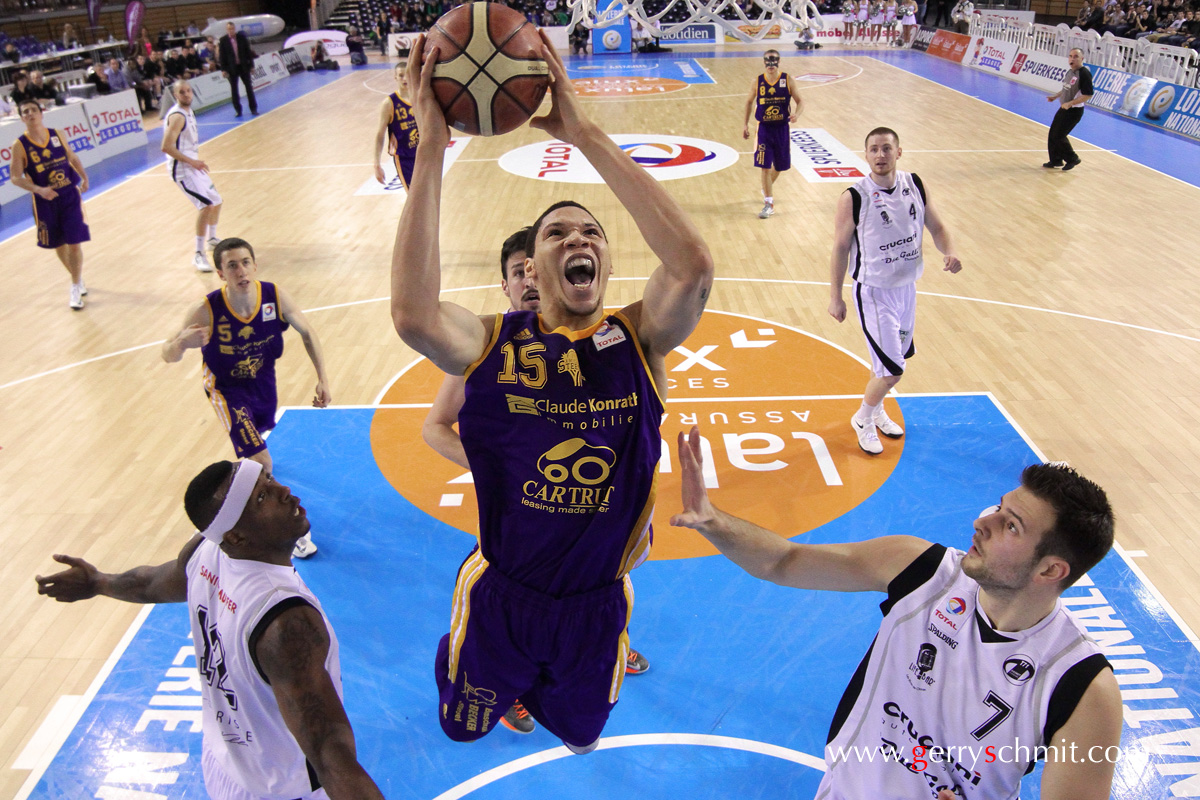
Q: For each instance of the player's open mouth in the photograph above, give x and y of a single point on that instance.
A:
(580, 271)
(531, 294)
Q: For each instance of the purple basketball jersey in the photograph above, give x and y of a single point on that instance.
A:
(774, 99)
(561, 430)
(46, 164)
(402, 130)
(240, 355)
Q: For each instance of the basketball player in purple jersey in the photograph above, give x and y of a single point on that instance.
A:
(249, 317)
(397, 122)
(771, 102)
(560, 428)
(440, 434)
(44, 165)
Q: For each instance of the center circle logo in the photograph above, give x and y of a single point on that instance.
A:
(777, 450)
(626, 87)
(665, 157)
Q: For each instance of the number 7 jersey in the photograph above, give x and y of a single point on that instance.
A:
(561, 431)
(973, 701)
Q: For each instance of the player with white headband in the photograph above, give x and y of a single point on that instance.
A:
(274, 724)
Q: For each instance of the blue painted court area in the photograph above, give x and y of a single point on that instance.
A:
(17, 216)
(660, 65)
(744, 678)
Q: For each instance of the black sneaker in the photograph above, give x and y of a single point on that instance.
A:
(1072, 164)
(1051, 165)
(636, 663)
(518, 719)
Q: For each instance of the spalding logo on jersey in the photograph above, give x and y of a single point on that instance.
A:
(268, 311)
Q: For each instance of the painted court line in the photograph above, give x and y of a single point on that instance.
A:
(489, 286)
(68, 722)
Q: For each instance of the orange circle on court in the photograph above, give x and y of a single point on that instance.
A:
(625, 86)
(773, 405)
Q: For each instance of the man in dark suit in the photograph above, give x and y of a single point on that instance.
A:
(237, 60)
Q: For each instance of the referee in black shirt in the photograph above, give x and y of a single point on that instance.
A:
(1077, 90)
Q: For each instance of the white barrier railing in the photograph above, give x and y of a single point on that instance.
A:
(1180, 65)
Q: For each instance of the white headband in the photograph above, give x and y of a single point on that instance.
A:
(244, 481)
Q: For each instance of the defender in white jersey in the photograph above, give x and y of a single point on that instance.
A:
(181, 145)
(878, 229)
(976, 657)
(274, 725)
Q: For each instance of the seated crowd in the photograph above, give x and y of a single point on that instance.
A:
(1173, 22)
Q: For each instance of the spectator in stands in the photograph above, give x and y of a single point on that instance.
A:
(1085, 11)
(1139, 23)
(21, 90)
(115, 77)
(173, 66)
(69, 39)
(96, 78)
(383, 26)
(193, 66)
(193, 29)
(1095, 19)
(319, 56)
(153, 70)
(1186, 31)
(11, 53)
(1167, 27)
(1114, 17)
(207, 50)
(45, 91)
(136, 75)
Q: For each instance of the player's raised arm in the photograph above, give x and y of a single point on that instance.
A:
(165, 583)
(447, 334)
(678, 290)
(852, 567)
(292, 652)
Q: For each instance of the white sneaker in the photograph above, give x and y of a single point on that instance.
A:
(76, 297)
(886, 426)
(868, 440)
(304, 546)
(83, 288)
(767, 210)
(213, 241)
(201, 262)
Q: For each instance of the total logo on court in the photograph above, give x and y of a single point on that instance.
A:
(665, 157)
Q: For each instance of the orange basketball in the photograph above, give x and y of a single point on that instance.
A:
(490, 76)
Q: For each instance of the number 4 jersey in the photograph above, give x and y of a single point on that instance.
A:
(561, 431)
(943, 701)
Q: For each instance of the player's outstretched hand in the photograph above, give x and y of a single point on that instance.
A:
(322, 397)
(837, 309)
(431, 122)
(952, 263)
(697, 510)
(77, 583)
(566, 120)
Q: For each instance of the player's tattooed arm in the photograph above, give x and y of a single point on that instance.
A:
(292, 652)
(165, 583)
(704, 293)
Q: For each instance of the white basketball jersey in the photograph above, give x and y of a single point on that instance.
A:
(228, 599)
(939, 677)
(888, 226)
(188, 142)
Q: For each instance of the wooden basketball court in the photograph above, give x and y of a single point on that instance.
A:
(1075, 308)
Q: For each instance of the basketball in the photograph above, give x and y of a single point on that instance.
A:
(490, 77)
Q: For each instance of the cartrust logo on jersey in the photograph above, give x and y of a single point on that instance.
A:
(664, 157)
